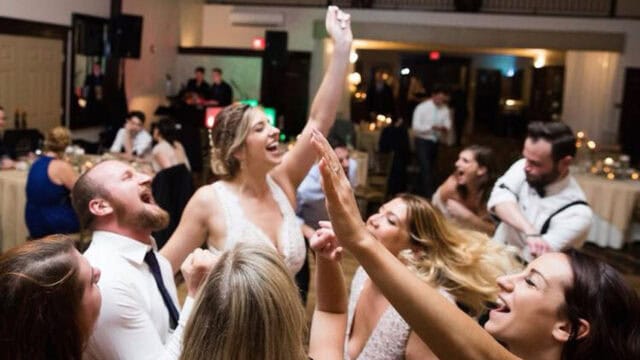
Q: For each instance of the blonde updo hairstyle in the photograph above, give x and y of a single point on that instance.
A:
(463, 262)
(57, 140)
(248, 308)
(228, 136)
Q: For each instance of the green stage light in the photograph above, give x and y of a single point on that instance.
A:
(250, 102)
(271, 114)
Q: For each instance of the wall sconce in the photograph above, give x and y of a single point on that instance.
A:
(539, 62)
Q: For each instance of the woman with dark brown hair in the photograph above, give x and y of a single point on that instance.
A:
(463, 196)
(49, 300)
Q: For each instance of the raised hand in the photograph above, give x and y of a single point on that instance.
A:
(325, 243)
(196, 267)
(338, 24)
(537, 246)
(341, 203)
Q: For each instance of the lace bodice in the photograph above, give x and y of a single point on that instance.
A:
(388, 341)
(240, 228)
(389, 338)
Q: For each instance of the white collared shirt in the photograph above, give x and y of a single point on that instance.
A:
(567, 229)
(133, 321)
(141, 142)
(426, 116)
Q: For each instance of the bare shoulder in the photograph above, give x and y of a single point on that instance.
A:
(283, 182)
(60, 165)
(205, 198)
(62, 173)
(448, 189)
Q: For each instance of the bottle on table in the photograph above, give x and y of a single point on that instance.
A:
(16, 119)
(23, 123)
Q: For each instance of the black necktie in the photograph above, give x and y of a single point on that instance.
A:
(150, 259)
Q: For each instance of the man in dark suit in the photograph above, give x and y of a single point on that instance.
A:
(197, 84)
(220, 93)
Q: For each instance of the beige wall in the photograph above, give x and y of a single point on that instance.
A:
(466, 29)
(191, 22)
(145, 77)
(30, 79)
(217, 30)
(53, 11)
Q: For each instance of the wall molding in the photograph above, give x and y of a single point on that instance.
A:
(199, 50)
(11, 26)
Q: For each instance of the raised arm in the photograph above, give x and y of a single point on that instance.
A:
(299, 160)
(448, 331)
(329, 324)
(192, 231)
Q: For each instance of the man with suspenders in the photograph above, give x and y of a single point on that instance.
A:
(540, 205)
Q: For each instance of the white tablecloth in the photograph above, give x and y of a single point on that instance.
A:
(613, 203)
(13, 230)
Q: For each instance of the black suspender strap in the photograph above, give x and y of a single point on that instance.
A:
(503, 186)
(495, 217)
(545, 226)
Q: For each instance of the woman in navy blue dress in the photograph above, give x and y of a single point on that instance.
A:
(49, 209)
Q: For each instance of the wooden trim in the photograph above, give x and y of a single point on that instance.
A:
(198, 50)
(13, 26)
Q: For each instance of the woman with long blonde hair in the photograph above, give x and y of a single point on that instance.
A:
(461, 264)
(249, 308)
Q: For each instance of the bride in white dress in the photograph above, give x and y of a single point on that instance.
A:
(254, 199)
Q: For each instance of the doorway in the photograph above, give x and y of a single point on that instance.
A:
(630, 116)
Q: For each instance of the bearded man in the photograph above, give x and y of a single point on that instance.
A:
(139, 318)
(540, 205)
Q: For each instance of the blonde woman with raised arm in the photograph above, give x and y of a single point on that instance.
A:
(562, 306)
(255, 197)
(461, 264)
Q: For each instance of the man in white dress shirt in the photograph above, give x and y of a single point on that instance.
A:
(540, 205)
(139, 318)
(132, 139)
(431, 120)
